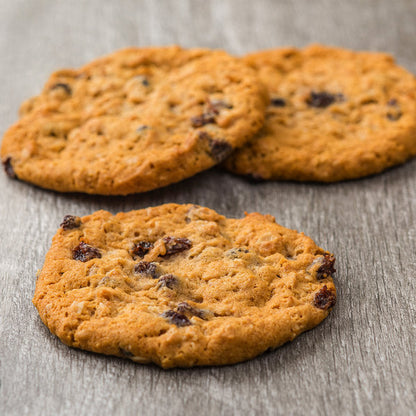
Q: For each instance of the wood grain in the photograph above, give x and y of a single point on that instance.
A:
(361, 360)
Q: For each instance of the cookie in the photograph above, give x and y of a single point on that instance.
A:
(134, 121)
(180, 285)
(334, 114)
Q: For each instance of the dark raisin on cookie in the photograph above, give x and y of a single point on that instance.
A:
(394, 113)
(141, 128)
(215, 106)
(145, 82)
(126, 353)
(70, 222)
(185, 308)
(176, 318)
(8, 168)
(277, 102)
(254, 178)
(146, 268)
(220, 150)
(324, 299)
(84, 252)
(202, 119)
(175, 245)
(394, 116)
(204, 136)
(167, 280)
(323, 99)
(141, 248)
(62, 85)
(235, 253)
(326, 269)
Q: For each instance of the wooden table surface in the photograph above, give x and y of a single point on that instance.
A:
(361, 360)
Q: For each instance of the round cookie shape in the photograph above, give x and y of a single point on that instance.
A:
(135, 120)
(181, 286)
(334, 114)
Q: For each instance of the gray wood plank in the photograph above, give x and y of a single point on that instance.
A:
(361, 360)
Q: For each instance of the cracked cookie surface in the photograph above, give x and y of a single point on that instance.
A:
(135, 120)
(180, 285)
(334, 114)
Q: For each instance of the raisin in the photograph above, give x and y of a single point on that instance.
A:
(141, 248)
(277, 102)
(70, 222)
(175, 245)
(394, 112)
(255, 178)
(176, 318)
(84, 252)
(186, 308)
(324, 298)
(8, 168)
(394, 116)
(146, 268)
(220, 150)
(126, 353)
(215, 106)
(236, 252)
(204, 136)
(64, 86)
(323, 99)
(326, 269)
(145, 81)
(167, 280)
(141, 128)
(202, 119)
